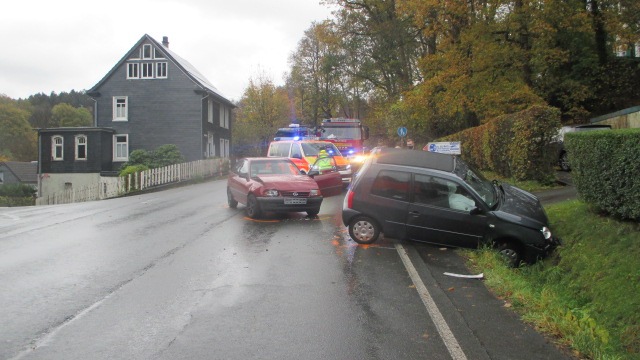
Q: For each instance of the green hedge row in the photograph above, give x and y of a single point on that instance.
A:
(16, 201)
(606, 170)
(514, 145)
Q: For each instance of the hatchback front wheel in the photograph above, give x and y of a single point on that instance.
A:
(364, 230)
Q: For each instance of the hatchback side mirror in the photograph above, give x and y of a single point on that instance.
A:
(475, 211)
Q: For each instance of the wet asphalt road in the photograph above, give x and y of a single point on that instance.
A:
(176, 274)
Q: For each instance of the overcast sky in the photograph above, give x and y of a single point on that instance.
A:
(64, 45)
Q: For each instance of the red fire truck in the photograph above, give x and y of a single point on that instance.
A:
(348, 135)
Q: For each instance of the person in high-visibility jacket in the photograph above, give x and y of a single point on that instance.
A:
(324, 161)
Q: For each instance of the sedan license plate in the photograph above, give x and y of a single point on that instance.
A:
(295, 201)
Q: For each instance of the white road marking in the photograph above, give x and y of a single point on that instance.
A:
(443, 329)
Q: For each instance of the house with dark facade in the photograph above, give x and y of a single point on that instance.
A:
(151, 97)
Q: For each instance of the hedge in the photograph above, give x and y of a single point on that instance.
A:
(514, 145)
(606, 170)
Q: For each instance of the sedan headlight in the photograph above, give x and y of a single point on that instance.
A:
(314, 192)
(271, 192)
(546, 233)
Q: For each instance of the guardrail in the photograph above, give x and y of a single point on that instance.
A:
(110, 187)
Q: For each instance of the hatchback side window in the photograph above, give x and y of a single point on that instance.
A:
(442, 193)
(392, 184)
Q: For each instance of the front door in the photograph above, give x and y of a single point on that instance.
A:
(328, 178)
(440, 213)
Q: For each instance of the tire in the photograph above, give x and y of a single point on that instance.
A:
(230, 200)
(253, 208)
(364, 230)
(511, 252)
(313, 212)
(564, 162)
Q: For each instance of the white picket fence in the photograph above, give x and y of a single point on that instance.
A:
(110, 187)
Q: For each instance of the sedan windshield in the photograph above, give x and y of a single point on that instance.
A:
(477, 182)
(273, 167)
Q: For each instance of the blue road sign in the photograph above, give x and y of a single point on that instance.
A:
(402, 131)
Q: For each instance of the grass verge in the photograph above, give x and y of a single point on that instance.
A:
(587, 294)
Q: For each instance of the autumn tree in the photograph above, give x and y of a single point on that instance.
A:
(263, 109)
(65, 115)
(17, 138)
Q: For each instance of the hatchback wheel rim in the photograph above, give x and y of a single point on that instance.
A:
(363, 230)
(510, 255)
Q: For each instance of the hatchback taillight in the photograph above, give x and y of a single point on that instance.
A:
(348, 200)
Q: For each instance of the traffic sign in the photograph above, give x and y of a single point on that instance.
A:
(402, 131)
(452, 147)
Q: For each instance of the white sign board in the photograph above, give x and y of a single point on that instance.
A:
(452, 147)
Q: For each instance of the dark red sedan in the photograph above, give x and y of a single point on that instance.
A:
(276, 185)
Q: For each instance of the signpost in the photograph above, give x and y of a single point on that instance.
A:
(451, 147)
(402, 131)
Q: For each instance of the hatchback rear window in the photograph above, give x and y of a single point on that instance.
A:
(392, 184)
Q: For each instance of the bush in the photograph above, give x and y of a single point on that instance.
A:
(606, 171)
(514, 145)
(17, 190)
(164, 155)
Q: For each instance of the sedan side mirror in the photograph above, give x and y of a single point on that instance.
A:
(313, 173)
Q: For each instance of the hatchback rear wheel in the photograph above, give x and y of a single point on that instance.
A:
(364, 230)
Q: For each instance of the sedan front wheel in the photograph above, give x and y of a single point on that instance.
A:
(253, 208)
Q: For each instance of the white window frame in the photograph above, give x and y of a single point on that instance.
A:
(146, 70)
(210, 111)
(133, 68)
(222, 108)
(55, 145)
(144, 49)
(157, 54)
(81, 140)
(161, 70)
(118, 113)
(226, 148)
(211, 145)
(121, 148)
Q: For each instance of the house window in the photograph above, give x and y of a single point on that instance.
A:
(146, 51)
(120, 108)
(133, 71)
(211, 146)
(121, 147)
(161, 70)
(210, 111)
(157, 54)
(224, 148)
(81, 147)
(57, 150)
(147, 71)
(224, 117)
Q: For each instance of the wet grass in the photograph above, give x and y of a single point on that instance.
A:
(528, 185)
(586, 295)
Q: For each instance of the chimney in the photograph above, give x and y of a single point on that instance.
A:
(165, 41)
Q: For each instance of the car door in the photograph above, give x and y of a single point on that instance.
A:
(238, 183)
(440, 213)
(327, 176)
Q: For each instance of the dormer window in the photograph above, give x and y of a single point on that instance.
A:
(157, 54)
(146, 51)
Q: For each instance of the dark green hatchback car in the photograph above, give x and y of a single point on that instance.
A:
(440, 199)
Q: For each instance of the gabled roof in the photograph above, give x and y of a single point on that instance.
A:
(184, 65)
(24, 171)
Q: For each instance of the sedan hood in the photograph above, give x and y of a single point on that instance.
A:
(521, 207)
(288, 182)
